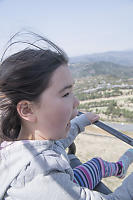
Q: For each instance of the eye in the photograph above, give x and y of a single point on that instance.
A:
(67, 94)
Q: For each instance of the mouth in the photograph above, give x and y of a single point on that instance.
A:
(68, 125)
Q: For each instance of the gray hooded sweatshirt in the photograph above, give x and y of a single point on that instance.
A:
(40, 170)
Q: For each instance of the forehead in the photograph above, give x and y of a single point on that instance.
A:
(62, 76)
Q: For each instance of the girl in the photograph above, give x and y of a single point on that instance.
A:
(37, 108)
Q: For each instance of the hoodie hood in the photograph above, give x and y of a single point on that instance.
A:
(36, 154)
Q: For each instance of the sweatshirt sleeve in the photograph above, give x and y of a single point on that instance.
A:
(124, 192)
(57, 186)
(78, 125)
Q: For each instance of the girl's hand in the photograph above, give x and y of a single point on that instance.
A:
(92, 117)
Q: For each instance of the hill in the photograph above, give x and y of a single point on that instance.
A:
(117, 57)
(80, 69)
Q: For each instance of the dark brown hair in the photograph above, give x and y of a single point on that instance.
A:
(24, 76)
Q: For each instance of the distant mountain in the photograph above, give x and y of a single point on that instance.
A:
(80, 70)
(117, 57)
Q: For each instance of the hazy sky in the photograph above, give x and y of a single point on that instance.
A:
(78, 26)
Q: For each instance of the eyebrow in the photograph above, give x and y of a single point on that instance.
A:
(66, 87)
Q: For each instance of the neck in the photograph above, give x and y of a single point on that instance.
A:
(26, 133)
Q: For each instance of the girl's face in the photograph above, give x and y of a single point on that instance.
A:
(57, 106)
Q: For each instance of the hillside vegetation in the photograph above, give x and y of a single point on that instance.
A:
(105, 88)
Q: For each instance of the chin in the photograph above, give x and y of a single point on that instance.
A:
(59, 138)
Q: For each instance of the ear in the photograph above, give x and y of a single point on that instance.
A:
(26, 111)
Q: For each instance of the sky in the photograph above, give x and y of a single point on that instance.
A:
(78, 26)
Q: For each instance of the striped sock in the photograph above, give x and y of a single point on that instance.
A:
(109, 168)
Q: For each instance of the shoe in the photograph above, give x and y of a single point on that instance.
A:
(125, 160)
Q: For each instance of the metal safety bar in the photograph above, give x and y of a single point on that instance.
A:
(113, 131)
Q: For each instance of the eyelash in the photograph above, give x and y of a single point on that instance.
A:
(66, 94)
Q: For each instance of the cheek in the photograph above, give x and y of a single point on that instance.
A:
(56, 115)
(57, 125)
(63, 115)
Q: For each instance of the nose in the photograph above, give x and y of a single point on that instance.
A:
(76, 102)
